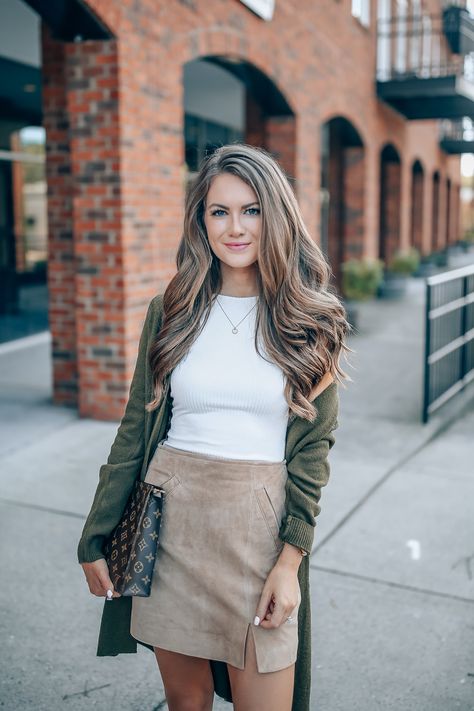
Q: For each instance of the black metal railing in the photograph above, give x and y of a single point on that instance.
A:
(419, 46)
(449, 336)
(460, 130)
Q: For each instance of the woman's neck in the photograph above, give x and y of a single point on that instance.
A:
(225, 292)
(239, 282)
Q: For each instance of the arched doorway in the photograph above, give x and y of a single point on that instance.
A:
(417, 188)
(232, 100)
(390, 190)
(342, 192)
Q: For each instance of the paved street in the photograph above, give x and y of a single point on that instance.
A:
(392, 572)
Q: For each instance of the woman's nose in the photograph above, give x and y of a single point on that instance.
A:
(236, 226)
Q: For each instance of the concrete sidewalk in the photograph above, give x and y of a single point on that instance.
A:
(392, 568)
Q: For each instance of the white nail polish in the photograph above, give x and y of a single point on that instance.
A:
(109, 594)
(256, 620)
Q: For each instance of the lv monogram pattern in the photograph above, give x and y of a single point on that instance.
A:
(131, 549)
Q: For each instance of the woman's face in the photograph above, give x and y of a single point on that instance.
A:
(233, 216)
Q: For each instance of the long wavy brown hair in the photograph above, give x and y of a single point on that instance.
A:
(300, 319)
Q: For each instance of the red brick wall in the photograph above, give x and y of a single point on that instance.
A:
(114, 114)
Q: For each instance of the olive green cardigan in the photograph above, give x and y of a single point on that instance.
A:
(306, 453)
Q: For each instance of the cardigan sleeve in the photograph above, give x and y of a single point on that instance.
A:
(118, 474)
(308, 468)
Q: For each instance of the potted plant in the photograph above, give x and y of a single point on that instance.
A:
(426, 267)
(403, 264)
(360, 280)
(466, 243)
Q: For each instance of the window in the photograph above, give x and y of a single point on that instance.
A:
(361, 11)
(23, 204)
(203, 137)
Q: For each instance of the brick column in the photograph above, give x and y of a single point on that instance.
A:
(336, 205)
(100, 301)
(277, 134)
(61, 266)
(95, 325)
(448, 203)
(254, 122)
(390, 210)
(435, 240)
(280, 140)
(454, 213)
(417, 193)
(353, 179)
(442, 214)
(456, 190)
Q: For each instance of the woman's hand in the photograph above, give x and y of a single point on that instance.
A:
(280, 594)
(98, 579)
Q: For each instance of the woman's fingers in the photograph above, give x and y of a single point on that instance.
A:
(105, 581)
(265, 599)
(271, 607)
(98, 578)
(276, 615)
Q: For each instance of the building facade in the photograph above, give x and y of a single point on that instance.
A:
(363, 104)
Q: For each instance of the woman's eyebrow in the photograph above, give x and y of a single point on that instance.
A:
(216, 204)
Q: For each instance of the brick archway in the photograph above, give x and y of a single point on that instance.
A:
(265, 117)
(342, 183)
(115, 168)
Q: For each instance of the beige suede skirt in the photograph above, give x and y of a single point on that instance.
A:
(218, 543)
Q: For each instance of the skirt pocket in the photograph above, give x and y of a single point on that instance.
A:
(269, 514)
(164, 479)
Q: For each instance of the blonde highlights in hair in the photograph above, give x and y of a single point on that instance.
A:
(300, 320)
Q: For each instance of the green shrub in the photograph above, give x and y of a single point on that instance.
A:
(361, 278)
(404, 262)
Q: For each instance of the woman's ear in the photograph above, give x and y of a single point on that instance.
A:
(326, 380)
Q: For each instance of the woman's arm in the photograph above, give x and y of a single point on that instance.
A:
(308, 468)
(117, 476)
(308, 471)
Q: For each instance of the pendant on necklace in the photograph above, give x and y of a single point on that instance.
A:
(235, 330)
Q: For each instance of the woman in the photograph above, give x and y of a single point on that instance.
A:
(244, 344)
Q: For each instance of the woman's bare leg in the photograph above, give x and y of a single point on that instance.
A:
(188, 681)
(254, 691)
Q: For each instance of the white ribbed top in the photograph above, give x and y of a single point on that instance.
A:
(227, 400)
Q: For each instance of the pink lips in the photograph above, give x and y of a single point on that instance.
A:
(237, 246)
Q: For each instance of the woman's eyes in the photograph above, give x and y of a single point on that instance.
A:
(254, 211)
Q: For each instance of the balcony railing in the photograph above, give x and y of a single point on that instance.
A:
(457, 137)
(418, 74)
(462, 130)
(417, 46)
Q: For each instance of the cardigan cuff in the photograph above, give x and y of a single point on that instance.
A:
(89, 553)
(297, 532)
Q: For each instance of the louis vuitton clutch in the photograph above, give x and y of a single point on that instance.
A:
(130, 550)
